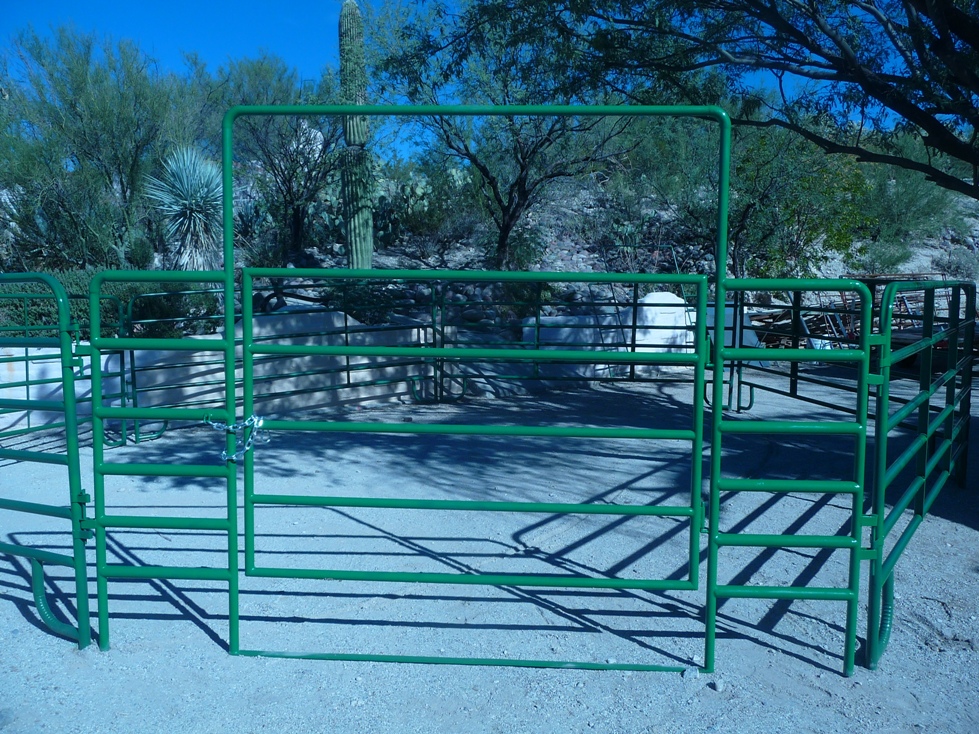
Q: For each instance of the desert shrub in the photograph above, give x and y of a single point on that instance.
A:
(173, 310)
(369, 303)
(957, 262)
(160, 309)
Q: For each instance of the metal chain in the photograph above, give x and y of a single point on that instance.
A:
(247, 433)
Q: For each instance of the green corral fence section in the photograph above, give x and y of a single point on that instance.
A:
(24, 344)
(104, 467)
(942, 346)
(852, 485)
(919, 436)
(692, 353)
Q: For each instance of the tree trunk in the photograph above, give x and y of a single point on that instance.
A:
(297, 229)
(504, 260)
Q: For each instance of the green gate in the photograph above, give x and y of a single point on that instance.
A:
(440, 355)
(103, 411)
(726, 424)
(434, 351)
(935, 447)
(22, 331)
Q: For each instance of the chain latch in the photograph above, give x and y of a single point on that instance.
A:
(247, 433)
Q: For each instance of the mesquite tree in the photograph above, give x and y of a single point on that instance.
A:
(850, 77)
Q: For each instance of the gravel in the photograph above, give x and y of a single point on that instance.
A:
(778, 664)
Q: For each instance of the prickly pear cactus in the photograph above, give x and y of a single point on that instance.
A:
(355, 172)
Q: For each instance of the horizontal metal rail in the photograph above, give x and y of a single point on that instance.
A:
(449, 660)
(483, 355)
(35, 508)
(40, 457)
(552, 508)
(481, 429)
(38, 554)
(472, 579)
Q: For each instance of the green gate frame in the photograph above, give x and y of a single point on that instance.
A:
(938, 449)
(57, 336)
(696, 357)
(102, 468)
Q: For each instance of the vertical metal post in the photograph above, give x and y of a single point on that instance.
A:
(924, 411)
(248, 408)
(635, 326)
(702, 347)
(437, 310)
(954, 331)
(537, 317)
(98, 458)
(720, 297)
(796, 341)
(739, 316)
(346, 343)
(78, 498)
(230, 403)
(877, 620)
(965, 404)
(440, 342)
(859, 474)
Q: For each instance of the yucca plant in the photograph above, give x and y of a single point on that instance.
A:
(188, 194)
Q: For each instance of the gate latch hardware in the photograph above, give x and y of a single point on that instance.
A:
(247, 433)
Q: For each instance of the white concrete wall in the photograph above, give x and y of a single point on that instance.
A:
(187, 378)
(327, 380)
(663, 324)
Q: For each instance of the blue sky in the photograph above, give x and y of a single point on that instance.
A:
(303, 33)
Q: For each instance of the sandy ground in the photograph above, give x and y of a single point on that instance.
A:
(778, 663)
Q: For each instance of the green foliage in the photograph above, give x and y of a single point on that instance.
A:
(189, 196)
(83, 124)
(33, 305)
(525, 246)
(369, 303)
(960, 263)
(789, 202)
(355, 179)
(902, 209)
(255, 236)
(512, 162)
(840, 74)
(329, 223)
(353, 72)
(81, 128)
(173, 310)
(431, 198)
(285, 161)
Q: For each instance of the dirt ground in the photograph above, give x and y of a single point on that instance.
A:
(778, 664)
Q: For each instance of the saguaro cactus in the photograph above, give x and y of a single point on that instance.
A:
(355, 170)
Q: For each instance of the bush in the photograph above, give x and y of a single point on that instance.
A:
(369, 303)
(958, 262)
(165, 309)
